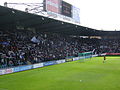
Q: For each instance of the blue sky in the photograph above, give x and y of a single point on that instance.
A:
(96, 14)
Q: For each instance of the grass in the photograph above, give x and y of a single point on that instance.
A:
(90, 75)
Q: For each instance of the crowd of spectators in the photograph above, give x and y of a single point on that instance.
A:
(109, 46)
(25, 47)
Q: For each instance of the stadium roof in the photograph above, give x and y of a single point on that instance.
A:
(10, 18)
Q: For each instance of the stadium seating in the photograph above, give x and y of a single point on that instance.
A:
(26, 47)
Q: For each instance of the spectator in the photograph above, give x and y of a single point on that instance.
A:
(26, 47)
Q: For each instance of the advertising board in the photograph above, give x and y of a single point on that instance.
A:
(60, 61)
(22, 68)
(76, 58)
(49, 63)
(38, 65)
(69, 59)
(9, 70)
(2, 72)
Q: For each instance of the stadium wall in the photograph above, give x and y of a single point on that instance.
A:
(38, 65)
(113, 54)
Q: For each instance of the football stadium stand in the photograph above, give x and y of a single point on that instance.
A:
(27, 39)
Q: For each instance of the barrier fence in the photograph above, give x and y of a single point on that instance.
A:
(113, 54)
(38, 65)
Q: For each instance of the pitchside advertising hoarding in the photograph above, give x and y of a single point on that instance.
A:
(76, 58)
(60, 61)
(38, 65)
(69, 58)
(9, 70)
(2, 72)
(22, 68)
(6, 71)
(49, 63)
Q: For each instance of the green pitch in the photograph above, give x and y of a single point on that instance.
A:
(92, 74)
